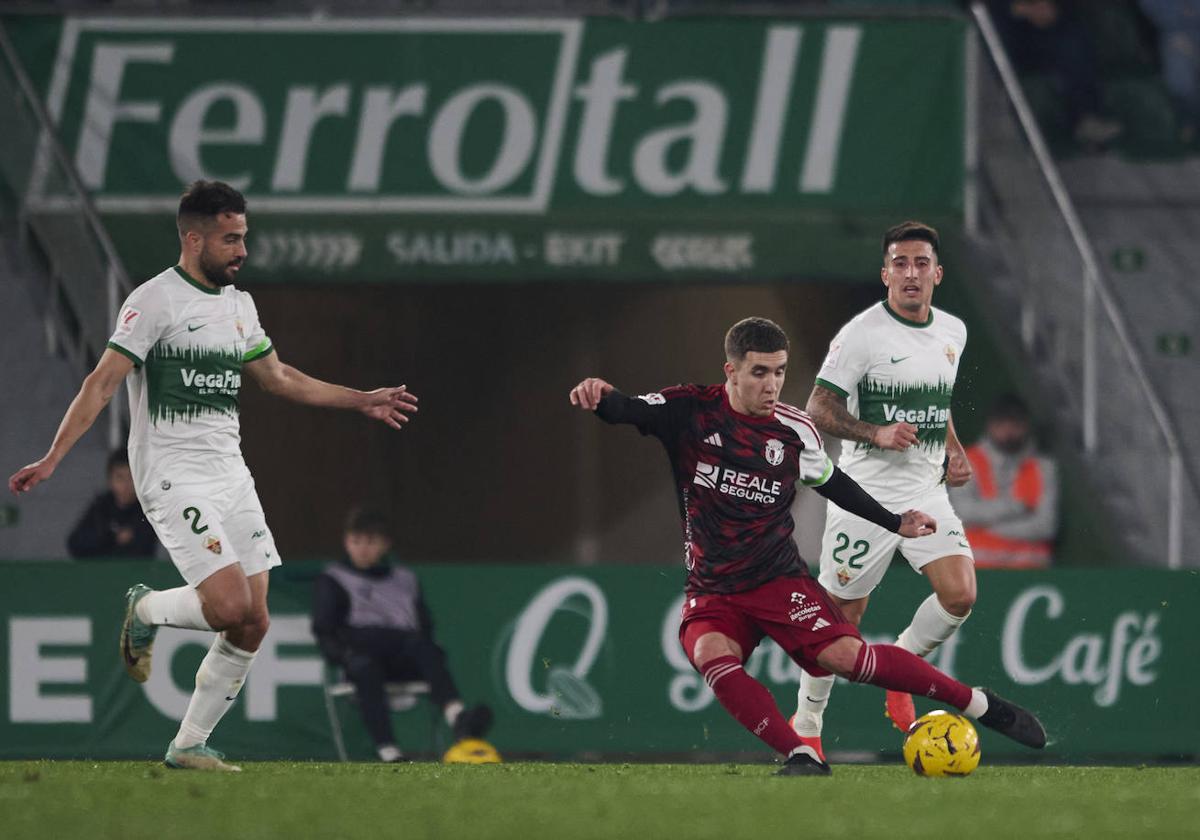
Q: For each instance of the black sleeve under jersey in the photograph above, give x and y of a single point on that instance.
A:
(661, 414)
(847, 494)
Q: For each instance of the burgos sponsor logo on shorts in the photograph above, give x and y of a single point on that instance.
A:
(752, 488)
(226, 382)
(800, 609)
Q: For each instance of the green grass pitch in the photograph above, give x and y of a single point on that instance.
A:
(45, 800)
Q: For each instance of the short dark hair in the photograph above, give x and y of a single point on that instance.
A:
(119, 457)
(205, 200)
(1008, 406)
(364, 520)
(910, 231)
(754, 335)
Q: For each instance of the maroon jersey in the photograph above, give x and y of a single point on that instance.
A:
(735, 476)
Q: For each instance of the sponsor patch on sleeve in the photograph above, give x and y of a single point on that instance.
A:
(126, 320)
(831, 358)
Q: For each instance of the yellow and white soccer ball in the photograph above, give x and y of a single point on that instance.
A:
(942, 744)
(472, 751)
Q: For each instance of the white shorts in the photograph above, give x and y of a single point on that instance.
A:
(855, 553)
(207, 526)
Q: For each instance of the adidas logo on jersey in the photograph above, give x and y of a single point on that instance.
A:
(714, 439)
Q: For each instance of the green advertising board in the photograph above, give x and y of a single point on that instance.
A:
(437, 148)
(585, 661)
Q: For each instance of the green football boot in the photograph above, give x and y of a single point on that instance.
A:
(199, 757)
(137, 637)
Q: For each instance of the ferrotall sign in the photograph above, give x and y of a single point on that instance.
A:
(551, 145)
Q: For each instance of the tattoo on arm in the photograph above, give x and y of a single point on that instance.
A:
(829, 411)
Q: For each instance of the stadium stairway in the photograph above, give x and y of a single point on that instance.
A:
(1142, 218)
(37, 387)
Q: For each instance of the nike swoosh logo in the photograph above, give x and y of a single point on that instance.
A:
(193, 329)
(963, 545)
(895, 361)
(812, 699)
(230, 699)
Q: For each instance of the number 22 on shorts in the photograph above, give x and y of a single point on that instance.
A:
(193, 515)
(854, 561)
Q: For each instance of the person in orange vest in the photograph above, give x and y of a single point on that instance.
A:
(1010, 510)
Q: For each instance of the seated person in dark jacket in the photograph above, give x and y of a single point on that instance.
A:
(370, 619)
(113, 525)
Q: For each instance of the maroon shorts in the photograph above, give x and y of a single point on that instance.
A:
(794, 611)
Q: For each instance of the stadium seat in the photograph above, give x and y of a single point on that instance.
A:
(402, 697)
(1141, 103)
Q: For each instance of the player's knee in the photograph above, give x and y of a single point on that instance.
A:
(255, 623)
(711, 646)
(959, 600)
(840, 657)
(227, 614)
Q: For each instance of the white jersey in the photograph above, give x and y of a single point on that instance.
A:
(891, 370)
(188, 344)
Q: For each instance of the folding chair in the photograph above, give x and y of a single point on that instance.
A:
(401, 697)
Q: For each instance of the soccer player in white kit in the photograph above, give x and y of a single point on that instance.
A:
(885, 389)
(183, 339)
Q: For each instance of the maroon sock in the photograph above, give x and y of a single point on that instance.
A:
(750, 703)
(896, 669)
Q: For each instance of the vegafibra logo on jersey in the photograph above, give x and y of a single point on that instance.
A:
(496, 116)
(541, 675)
(932, 415)
(227, 381)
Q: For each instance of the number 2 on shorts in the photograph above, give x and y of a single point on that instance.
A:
(194, 515)
(854, 561)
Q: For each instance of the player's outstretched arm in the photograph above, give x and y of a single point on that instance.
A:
(849, 495)
(388, 405)
(828, 409)
(588, 393)
(94, 394)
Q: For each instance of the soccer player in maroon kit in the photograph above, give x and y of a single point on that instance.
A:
(736, 453)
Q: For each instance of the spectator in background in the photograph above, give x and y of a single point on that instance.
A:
(1045, 36)
(370, 620)
(1010, 510)
(113, 525)
(1178, 26)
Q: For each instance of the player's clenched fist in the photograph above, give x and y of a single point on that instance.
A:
(898, 436)
(913, 523)
(587, 394)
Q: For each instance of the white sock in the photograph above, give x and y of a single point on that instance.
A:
(179, 607)
(978, 705)
(452, 710)
(220, 678)
(931, 625)
(811, 700)
(389, 753)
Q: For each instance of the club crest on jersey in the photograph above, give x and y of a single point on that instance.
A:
(843, 577)
(241, 330)
(951, 354)
(213, 544)
(774, 452)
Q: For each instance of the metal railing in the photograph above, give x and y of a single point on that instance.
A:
(86, 279)
(1069, 318)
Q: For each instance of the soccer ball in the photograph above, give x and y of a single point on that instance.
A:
(942, 744)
